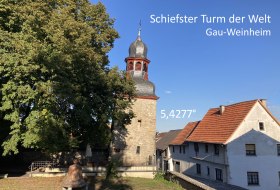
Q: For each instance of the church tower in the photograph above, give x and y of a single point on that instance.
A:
(139, 149)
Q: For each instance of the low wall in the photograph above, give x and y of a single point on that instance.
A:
(186, 182)
(138, 171)
(134, 171)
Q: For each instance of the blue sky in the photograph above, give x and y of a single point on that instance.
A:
(193, 71)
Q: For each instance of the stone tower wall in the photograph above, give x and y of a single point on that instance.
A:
(141, 133)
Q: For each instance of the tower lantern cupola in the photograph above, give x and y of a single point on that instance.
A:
(137, 67)
(138, 48)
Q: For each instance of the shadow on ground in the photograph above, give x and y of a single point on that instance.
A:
(103, 184)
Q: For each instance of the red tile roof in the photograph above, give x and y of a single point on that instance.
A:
(216, 127)
(185, 133)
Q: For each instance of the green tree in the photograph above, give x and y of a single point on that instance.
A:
(57, 90)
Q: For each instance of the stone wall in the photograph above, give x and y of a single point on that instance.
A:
(139, 136)
(186, 182)
(135, 171)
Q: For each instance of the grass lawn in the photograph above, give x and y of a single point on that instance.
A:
(54, 183)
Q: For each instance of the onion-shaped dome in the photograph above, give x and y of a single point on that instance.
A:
(138, 48)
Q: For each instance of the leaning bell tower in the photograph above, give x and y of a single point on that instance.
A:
(140, 137)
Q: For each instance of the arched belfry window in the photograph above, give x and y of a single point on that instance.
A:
(138, 66)
(145, 68)
(130, 66)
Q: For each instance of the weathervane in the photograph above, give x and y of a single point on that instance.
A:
(139, 29)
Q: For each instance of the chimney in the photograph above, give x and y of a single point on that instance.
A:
(263, 102)
(222, 109)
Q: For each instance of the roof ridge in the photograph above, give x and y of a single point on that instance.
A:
(255, 100)
(193, 122)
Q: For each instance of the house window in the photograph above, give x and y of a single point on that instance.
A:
(184, 150)
(278, 149)
(216, 149)
(206, 148)
(196, 147)
(138, 150)
(253, 178)
(250, 149)
(177, 167)
(219, 174)
(279, 177)
(165, 165)
(198, 168)
(173, 148)
(180, 151)
(208, 171)
(261, 126)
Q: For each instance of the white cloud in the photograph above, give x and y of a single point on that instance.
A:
(167, 92)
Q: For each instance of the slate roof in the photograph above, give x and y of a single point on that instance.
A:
(160, 135)
(185, 133)
(163, 143)
(216, 127)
